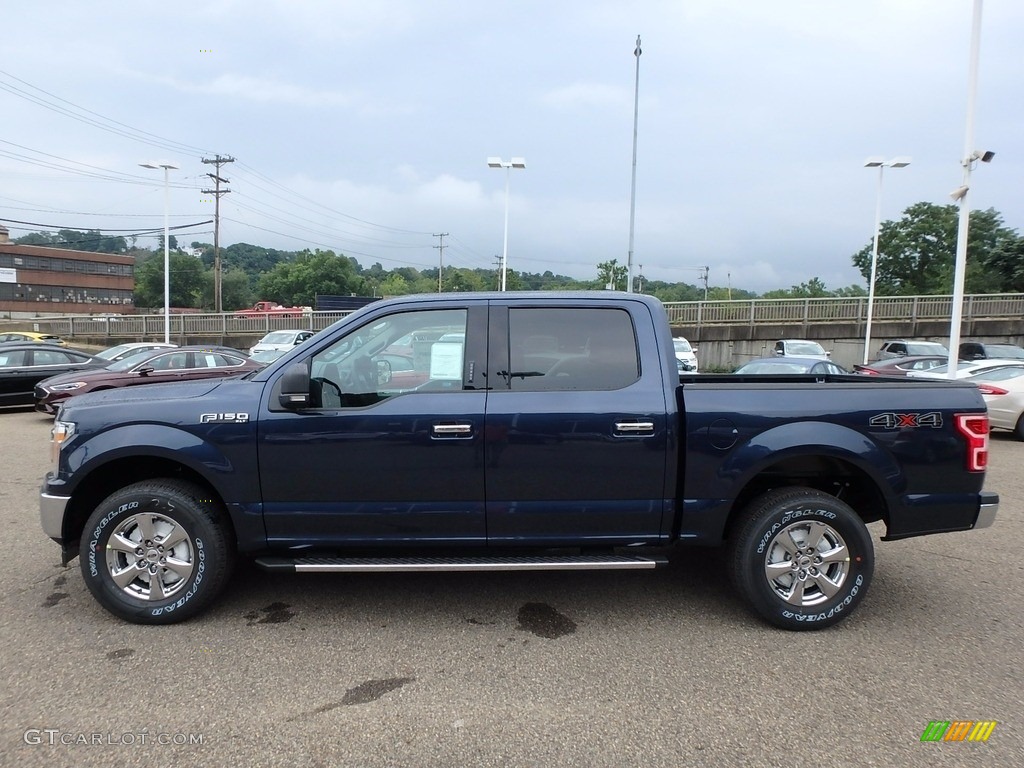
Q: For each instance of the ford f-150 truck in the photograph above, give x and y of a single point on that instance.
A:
(508, 431)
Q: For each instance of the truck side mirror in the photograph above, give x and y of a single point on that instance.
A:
(295, 386)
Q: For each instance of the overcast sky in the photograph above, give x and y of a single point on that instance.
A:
(364, 127)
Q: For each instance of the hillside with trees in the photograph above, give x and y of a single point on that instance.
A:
(916, 257)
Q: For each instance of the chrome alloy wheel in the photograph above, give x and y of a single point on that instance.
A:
(806, 563)
(150, 556)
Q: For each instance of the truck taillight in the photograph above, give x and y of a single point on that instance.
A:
(974, 427)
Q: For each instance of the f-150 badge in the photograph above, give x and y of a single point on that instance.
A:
(223, 418)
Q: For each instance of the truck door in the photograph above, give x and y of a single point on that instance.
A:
(577, 436)
(389, 449)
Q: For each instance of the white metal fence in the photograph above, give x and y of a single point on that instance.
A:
(1008, 306)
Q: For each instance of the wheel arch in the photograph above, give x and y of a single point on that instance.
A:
(837, 476)
(831, 458)
(104, 480)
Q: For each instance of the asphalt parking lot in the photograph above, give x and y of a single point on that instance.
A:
(538, 669)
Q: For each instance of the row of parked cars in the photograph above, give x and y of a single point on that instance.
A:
(44, 370)
(996, 369)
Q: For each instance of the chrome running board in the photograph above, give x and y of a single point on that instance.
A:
(417, 564)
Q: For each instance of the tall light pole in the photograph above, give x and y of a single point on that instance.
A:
(497, 162)
(881, 164)
(632, 188)
(971, 156)
(167, 243)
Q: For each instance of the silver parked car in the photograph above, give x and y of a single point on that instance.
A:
(280, 341)
(800, 348)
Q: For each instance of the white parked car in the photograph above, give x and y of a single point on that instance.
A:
(280, 341)
(800, 348)
(685, 354)
(1003, 390)
(964, 369)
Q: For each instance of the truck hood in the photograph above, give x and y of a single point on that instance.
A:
(179, 390)
(132, 396)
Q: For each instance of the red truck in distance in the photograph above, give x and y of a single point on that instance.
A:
(261, 308)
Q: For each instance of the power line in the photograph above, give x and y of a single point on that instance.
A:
(58, 227)
(112, 126)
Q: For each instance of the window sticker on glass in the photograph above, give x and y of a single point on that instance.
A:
(446, 361)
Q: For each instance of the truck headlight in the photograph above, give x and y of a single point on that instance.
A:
(60, 433)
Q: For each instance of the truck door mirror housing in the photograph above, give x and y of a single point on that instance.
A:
(295, 386)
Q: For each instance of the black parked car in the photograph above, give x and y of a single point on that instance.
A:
(975, 350)
(22, 366)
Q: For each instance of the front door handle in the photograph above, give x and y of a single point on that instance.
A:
(452, 430)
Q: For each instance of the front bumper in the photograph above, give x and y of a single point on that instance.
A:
(51, 515)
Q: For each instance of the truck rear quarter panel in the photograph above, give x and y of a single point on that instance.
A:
(891, 446)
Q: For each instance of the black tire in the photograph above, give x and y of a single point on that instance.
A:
(123, 550)
(1018, 429)
(810, 587)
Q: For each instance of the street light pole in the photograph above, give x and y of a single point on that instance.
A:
(880, 164)
(632, 188)
(971, 156)
(167, 243)
(497, 162)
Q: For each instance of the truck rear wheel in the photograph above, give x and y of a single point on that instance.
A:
(156, 552)
(801, 558)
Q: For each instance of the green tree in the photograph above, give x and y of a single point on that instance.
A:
(235, 290)
(187, 283)
(612, 273)
(812, 289)
(92, 240)
(298, 282)
(37, 238)
(916, 254)
(1006, 260)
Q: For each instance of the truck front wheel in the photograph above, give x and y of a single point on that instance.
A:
(156, 552)
(801, 558)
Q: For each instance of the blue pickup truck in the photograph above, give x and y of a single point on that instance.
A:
(508, 431)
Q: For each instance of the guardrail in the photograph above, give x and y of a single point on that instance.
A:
(181, 325)
(1008, 306)
(843, 310)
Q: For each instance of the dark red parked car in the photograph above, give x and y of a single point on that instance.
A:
(900, 366)
(152, 367)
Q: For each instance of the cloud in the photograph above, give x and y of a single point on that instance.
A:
(265, 90)
(587, 95)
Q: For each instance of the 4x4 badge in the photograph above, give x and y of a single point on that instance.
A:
(931, 419)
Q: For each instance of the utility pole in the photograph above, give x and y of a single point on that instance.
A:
(440, 256)
(498, 261)
(217, 192)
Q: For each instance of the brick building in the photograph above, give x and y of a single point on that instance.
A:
(39, 280)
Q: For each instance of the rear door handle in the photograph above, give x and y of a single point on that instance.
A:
(634, 427)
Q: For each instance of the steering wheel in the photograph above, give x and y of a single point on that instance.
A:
(330, 393)
(364, 375)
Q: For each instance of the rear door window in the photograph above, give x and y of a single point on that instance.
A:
(571, 349)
